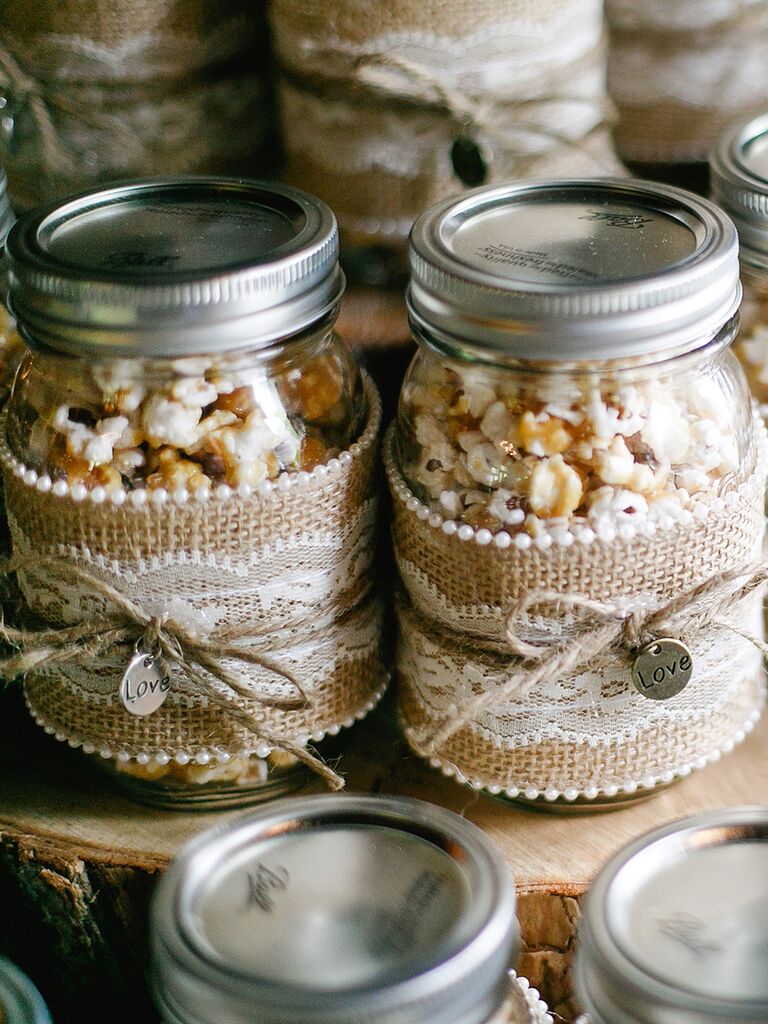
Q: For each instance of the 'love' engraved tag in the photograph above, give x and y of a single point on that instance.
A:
(145, 683)
(662, 668)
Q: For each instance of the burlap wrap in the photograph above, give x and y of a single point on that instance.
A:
(590, 730)
(100, 90)
(680, 73)
(296, 564)
(374, 95)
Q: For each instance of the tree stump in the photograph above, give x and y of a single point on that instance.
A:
(78, 860)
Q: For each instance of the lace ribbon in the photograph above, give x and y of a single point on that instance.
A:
(689, 614)
(199, 657)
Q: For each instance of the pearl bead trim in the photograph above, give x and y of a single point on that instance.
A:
(555, 534)
(574, 790)
(538, 1009)
(202, 755)
(143, 498)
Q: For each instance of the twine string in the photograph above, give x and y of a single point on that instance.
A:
(605, 625)
(197, 656)
(487, 114)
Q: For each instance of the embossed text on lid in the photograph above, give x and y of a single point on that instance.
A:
(573, 269)
(335, 910)
(174, 266)
(676, 925)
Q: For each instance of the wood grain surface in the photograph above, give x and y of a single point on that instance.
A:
(78, 860)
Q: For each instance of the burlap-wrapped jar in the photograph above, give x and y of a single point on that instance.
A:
(96, 91)
(680, 71)
(578, 481)
(189, 455)
(388, 107)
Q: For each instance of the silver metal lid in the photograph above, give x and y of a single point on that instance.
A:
(676, 926)
(569, 270)
(174, 266)
(20, 1002)
(739, 181)
(334, 910)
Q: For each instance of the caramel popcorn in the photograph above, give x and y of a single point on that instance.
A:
(210, 425)
(496, 455)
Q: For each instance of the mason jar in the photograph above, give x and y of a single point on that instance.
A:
(20, 1002)
(577, 477)
(739, 173)
(340, 909)
(189, 460)
(673, 927)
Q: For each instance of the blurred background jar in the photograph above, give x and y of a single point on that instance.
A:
(386, 108)
(190, 468)
(674, 928)
(739, 168)
(336, 910)
(679, 72)
(574, 444)
(94, 91)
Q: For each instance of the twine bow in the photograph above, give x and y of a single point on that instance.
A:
(487, 114)
(607, 627)
(198, 657)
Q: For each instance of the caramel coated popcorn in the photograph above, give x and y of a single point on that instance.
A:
(208, 426)
(504, 457)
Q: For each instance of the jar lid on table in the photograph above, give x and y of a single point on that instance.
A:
(336, 909)
(676, 925)
(571, 270)
(739, 174)
(174, 267)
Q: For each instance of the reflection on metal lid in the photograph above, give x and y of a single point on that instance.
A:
(677, 924)
(336, 909)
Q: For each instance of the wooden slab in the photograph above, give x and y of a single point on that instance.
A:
(78, 860)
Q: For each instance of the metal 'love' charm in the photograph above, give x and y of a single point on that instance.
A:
(662, 668)
(145, 683)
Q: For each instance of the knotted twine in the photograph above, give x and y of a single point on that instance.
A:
(198, 657)
(613, 628)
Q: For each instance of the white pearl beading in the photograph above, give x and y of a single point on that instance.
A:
(202, 755)
(555, 534)
(586, 791)
(147, 499)
(538, 1011)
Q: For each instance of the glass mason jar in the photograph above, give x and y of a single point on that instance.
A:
(20, 1002)
(573, 444)
(380, 909)
(739, 173)
(188, 456)
(674, 927)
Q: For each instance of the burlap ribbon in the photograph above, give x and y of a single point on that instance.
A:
(152, 88)
(680, 74)
(202, 658)
(608, 627)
